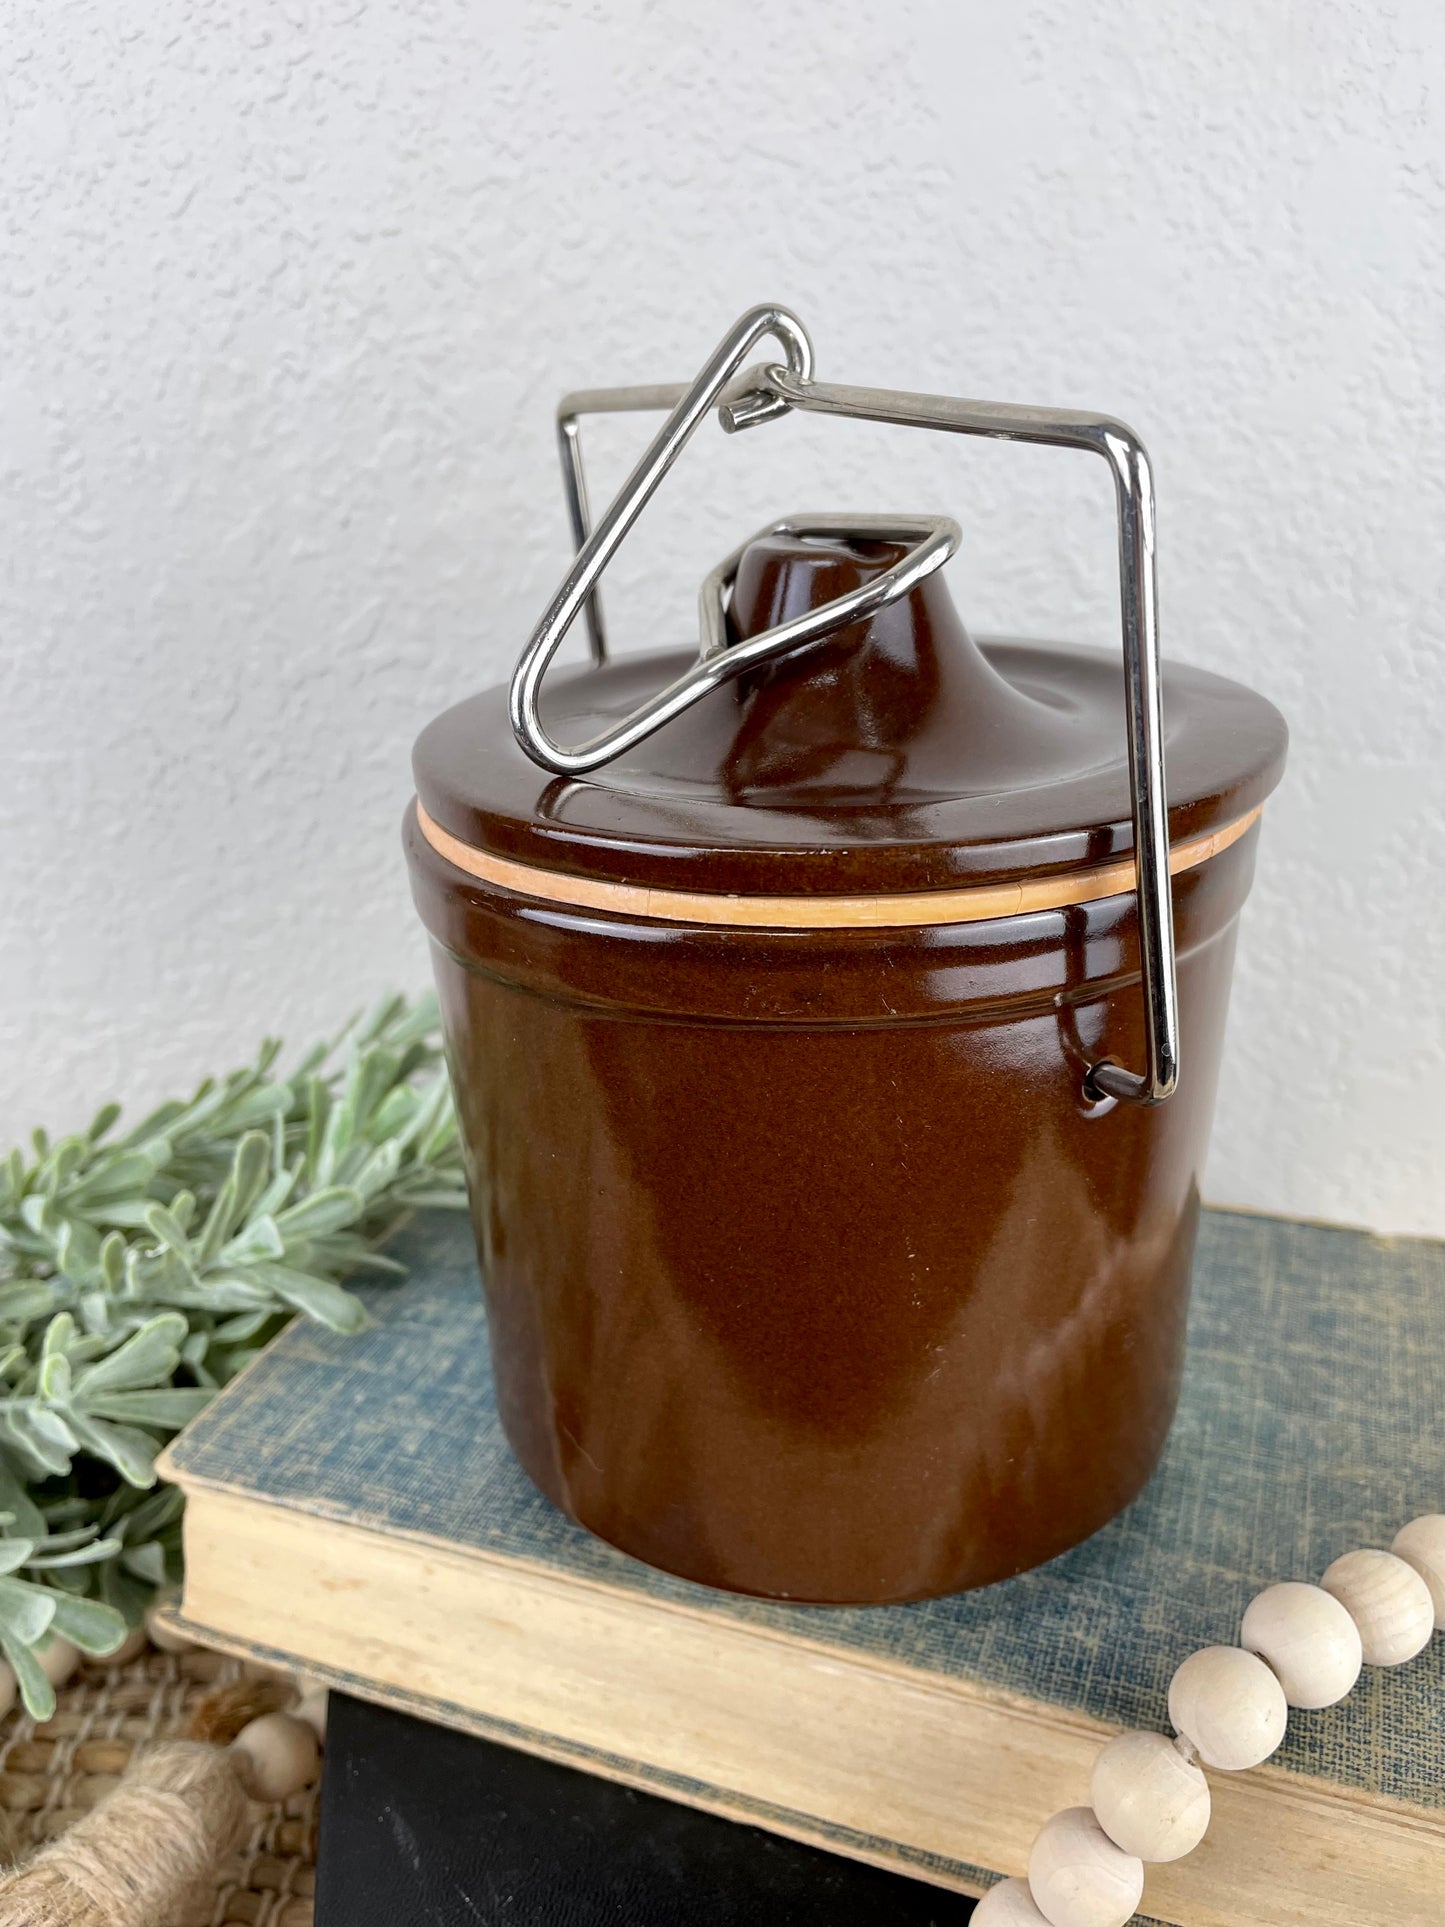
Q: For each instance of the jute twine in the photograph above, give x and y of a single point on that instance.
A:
(122, 1813)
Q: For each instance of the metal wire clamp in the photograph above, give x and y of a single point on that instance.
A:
(763, 394)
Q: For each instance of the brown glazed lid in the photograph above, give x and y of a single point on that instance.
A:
(893, 756)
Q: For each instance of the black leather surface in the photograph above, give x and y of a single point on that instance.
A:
(423, 1825)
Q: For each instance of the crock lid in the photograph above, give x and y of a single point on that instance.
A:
(895, 755)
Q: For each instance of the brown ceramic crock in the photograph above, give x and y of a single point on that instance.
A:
(813, 1267)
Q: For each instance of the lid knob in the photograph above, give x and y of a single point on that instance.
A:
(901, 702)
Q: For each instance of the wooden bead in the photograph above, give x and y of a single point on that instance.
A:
(1148, 1798)
(7, 1690)
(1229, 1706)
(1308, 1638)
(1078, 1877)
(1421, 1544)
(1388, 1601)
(131, 1647)
(1009, 1904)
(58, 1660)
(160, 1634)
(277, 1756)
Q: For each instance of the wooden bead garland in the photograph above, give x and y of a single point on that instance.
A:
(1388, 1601)
(1301, 1646)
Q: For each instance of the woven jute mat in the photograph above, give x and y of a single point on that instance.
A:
(50, 1774)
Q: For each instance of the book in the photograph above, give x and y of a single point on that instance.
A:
(421, 1823)
(353, 1507)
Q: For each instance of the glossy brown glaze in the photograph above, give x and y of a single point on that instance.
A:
(810, 1270)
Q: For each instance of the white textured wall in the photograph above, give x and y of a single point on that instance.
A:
(289, 290)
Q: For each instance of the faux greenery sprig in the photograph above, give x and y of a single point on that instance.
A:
(139, 1273)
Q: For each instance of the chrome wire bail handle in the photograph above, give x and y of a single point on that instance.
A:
(762, 395)
(596, 547)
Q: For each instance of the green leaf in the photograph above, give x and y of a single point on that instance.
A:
(377, 1170)
(25, 1611)
(12, 1179)
(437, 1200)
(167, 1230)
(117, 1174)
(112, 1261)
(157, 1276)
(38, 1214)
(382, 1016)
(143, 1515)
(54, 1378)
(235, 1331)
(35, 1689)
(15, 1553)
(223, 1291)
(127, 1213)
(170, 1408)
(147, 1357)
(261, 1238)
(90, 1554)
(320, 1298)
(26, 1300)
(44, 1440)
(128, 1595)
(364, 1260)
(69, 1580)
(147, 1562)
(77, 1250)
(158, 1121)
(244, 1182)
(318, 1111)
(131, 1452)
(330, 1209)
(334, 1138)
(282, 1184)
(28, 1519)
(88, 1624)
(259, 1107)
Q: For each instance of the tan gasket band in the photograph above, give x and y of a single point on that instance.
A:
(975, 904)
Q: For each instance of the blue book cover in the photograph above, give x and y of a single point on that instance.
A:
(1310, 1423)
